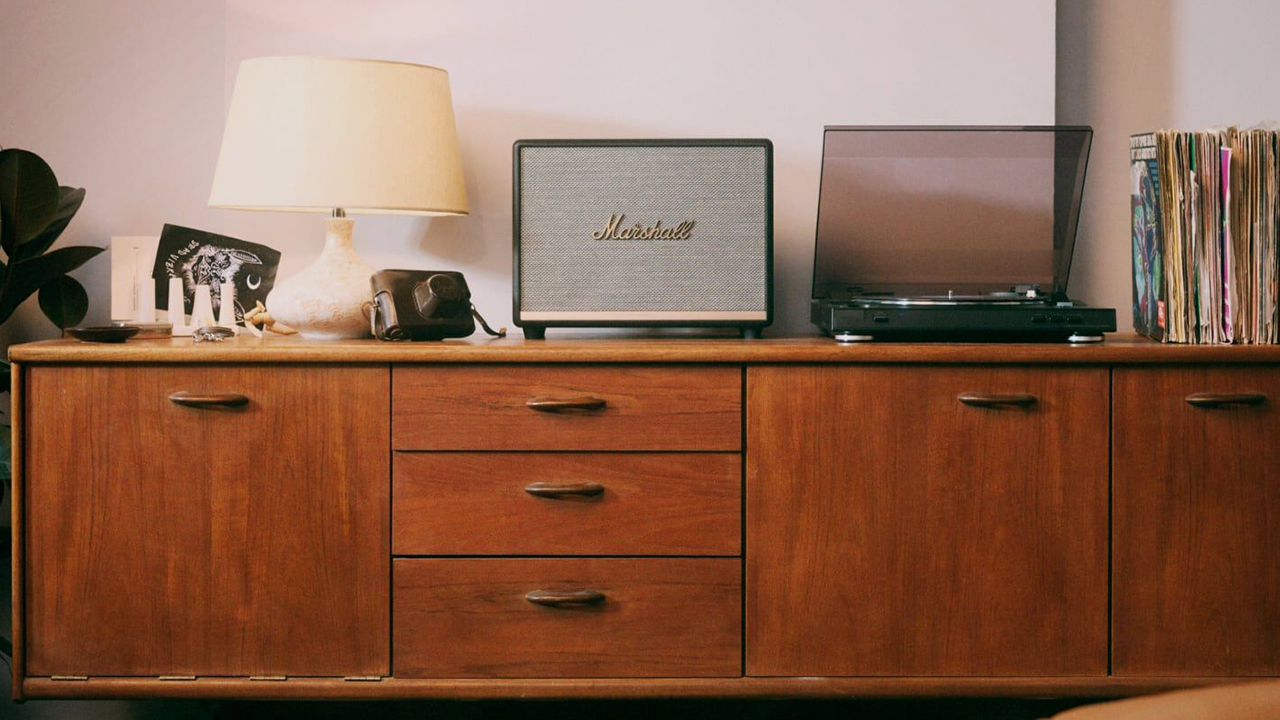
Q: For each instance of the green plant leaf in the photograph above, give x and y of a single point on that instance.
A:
(69, 201)
(28, 276)
(28, 197)
(64, 301)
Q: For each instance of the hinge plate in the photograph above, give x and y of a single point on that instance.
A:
(68, 677)
(177, 677)
(362, 678)
(269, 678)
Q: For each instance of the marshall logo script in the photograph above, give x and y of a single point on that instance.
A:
(614, 230)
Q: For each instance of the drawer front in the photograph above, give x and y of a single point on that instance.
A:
(567, 407)
(649, 618)
(206, 519)
(926, 520)
(1196, 521)
(462, 503)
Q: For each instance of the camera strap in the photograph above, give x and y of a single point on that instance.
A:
(480, 319)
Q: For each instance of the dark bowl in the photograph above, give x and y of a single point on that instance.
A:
(105, 334)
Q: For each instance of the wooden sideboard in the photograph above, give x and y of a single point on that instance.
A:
(642, 518)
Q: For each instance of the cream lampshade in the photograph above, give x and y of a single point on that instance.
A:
(337, 136)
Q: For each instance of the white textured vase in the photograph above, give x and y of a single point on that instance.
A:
(325, 300)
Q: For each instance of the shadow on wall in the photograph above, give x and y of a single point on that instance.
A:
(1114, 72)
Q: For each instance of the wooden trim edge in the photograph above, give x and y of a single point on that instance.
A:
(614, 688)
(16, 502)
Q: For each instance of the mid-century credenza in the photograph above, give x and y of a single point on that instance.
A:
(642, 518)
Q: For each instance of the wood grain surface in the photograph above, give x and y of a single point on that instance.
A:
(614, 688)
(648, 504)
(582, 348)
(897, 531)
(660, 618)
(17, 485)
(470, 407)
(1196, 550)
(168, 540)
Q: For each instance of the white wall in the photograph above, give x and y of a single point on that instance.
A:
(127, 100)
(1140, 65)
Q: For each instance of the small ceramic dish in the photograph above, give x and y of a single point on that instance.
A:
(106, 334)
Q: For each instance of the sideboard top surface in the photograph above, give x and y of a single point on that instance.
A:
(1120, 348)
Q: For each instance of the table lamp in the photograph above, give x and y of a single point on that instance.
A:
(337, 136)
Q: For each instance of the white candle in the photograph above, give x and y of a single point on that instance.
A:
(177, 308)
(202, 308)
(227, 306)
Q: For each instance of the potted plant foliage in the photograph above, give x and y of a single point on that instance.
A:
(34, 210)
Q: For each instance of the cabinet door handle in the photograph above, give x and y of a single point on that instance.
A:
(556, 491)
(991, 400)
(555, 405)
(1218, 400)
(565, 598)
(208, 400)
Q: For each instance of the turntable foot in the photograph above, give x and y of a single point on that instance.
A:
(851, 338)
(1078, 339)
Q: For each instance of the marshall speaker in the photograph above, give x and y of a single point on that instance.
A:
(673, 233)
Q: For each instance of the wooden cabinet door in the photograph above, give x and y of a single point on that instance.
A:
(894, 530)
(1196, 507)
(171, 540)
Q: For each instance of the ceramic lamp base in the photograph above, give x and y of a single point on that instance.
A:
(325, 301)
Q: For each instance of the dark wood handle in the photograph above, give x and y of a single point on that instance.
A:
(567, 490)
(991, 400)
(555, 405)
(208, 400)
(1217, 400)
(565, 598)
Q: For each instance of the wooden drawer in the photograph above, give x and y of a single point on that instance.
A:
(529, 407)
(1196, 521)
(926, 520)
(658, 618)
(567, 504)
(268, 555)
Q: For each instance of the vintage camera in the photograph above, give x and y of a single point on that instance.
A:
(422, 305)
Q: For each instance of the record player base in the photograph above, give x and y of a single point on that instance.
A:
(629, 518)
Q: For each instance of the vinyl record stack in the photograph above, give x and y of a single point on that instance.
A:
(1205, 212)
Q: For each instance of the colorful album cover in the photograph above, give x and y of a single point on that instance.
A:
(1148, 250)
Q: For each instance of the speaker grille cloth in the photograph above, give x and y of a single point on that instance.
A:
(568, 193)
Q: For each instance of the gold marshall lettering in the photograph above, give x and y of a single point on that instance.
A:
(613, 230)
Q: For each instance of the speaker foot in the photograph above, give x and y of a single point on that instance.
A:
(750, 333)
(535, 333)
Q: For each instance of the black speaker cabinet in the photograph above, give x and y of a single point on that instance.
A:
(643, 233)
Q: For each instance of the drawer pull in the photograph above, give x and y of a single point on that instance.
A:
(1217, 400)
(208, 400)
(991, 400)
(554, 405)
(573, 490)
(565, 598)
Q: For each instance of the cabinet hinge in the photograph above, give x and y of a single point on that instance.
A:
(268, 678)
(68, 677)
(177, 677)
(362, 678)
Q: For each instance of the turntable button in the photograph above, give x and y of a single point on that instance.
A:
(880, 318)
(1039, 318)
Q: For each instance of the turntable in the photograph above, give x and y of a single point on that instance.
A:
(951, 234)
